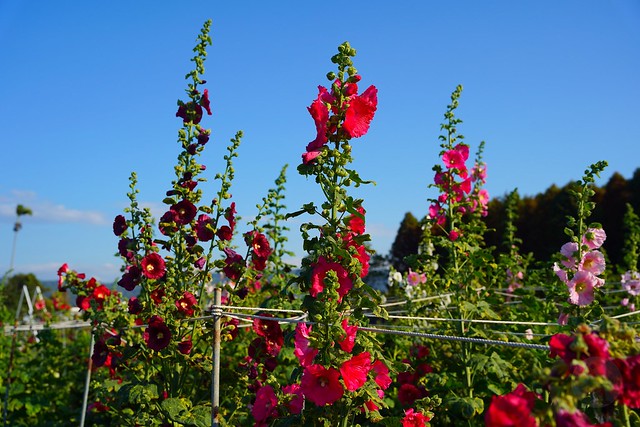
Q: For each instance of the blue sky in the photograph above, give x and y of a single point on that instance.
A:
(88, 95)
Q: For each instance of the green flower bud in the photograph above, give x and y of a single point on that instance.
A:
(331, 76)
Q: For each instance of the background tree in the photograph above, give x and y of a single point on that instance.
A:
(406, 243)
(13, 288)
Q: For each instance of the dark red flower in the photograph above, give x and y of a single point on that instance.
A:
(119, 225)
(189, 112)
(157, 295)
(321, 385)
(269, 329)
(204, 229)
(185, 212)
(355, 370)
(512, 409)
(100, 353)
(157, 335)
(230, 215)
(131, 277)
(234, 264)
(168, 221)
(153, 266)
(224, 233)
(296, 403)
(409, 393)
(187, 303)
(203, 136)
(135, 306)
(185, 346)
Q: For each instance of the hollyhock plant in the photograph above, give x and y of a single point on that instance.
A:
(153, 266)
(186, 304)
(350, 336)
(320, 271)
(303, 351)
(581, 288)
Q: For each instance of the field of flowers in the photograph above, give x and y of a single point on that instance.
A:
(470, 335)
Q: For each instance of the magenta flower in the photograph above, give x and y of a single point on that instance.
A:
(414, 419)
(320, 272)
(303, 351)
(453, 159)
(565, 418)
(382, 374)
(265, 405)
(581, 288)
(296, 403)
(360, 112)
(321, 385)
(414, 278)
(512, 409)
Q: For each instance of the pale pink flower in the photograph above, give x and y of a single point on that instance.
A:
(562, 274)
(594, 238)
(414, 278)
(631, 282)
(581, 288)
(593, 262)
(624, 302)
(569, 250)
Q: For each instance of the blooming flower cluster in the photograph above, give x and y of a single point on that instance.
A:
(630, 281)
(581, 265)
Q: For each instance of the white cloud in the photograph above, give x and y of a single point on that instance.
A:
(44, 211)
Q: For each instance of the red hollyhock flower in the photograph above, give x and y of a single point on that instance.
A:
(360, 113)
(355, 223)
(187, 303)
(100, 353)
(409, 393)
(135, 306)
(168, 221)
(355, 370)
(185, 346)
(225, 233)
(320, 272)
(61, 271)
(189, 112)
(157, 295)
(100, 293)
(265, 405)
(185, 212)
(414, 419)
(153, 266)
(320, 114)
(157, 335)
(131, 277)
(230, 215)
(512, 409)
(629, 384)
(234, 264)
(269, 329)
(203, 232)
(321, 385)
(204, 101)
(382, 374)
(350, 339)
(119, 225)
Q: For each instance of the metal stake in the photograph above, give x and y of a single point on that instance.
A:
(215, 370)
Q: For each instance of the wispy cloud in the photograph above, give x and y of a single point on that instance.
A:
(45, 211)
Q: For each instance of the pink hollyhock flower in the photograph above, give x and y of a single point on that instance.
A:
(187, 303)
(119, 225)
(185, 346)
(512, 409)
(454, 235)
(355, 370)
(320, 272)
(453, 159)
(185, 212)
(569, 251)
(350, 339)
(414, 419)
(310, 156)
(593, 262)
(320, 114)
(153, 266)
(204, 232)
(565, 418)
(360, 112)
(265, 405)
(302, 351)
(631, 282)
(479, 172)
(581, 288)
(562, 274)
(414, 278)
(321, 385)
(594, 238)
(629, 384)
(157, 335)
(296, 403)
(382, 374)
